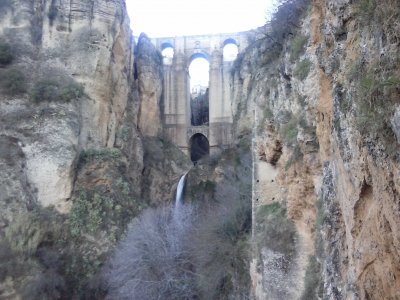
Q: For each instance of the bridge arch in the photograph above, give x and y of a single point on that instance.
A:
(167, 52)
(198, 54)
(166, 45)
(199, 71)
(199, 147)
(230, 50)
(230, 41)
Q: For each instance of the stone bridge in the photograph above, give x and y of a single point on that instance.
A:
(177, 123)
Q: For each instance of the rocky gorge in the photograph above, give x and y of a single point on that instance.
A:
(312, 176)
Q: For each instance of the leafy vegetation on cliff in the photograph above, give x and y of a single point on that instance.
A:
(13, 81)
(198, 251)
(56, 90)
(275, 231)
(285, 23)
(52, 256)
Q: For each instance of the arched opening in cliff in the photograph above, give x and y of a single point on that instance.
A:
(199, 72)
(167, 52)
(230, 50)
(199, 147)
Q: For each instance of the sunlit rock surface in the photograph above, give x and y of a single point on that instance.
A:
(330, 152)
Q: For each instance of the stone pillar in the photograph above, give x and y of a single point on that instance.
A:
(181, 87)
(169, 96)
(215, 97)
(220, 103)
(226, 90)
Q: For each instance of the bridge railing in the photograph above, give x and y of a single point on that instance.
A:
(204, 130)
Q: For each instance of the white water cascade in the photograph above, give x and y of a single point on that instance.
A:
(179, 192)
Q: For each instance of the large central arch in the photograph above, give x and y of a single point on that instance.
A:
(199, 147)
(199, 71)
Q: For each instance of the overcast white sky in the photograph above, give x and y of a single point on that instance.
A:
(160, 18)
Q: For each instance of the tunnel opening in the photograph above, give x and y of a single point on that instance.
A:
(199, 70)
(199, 147)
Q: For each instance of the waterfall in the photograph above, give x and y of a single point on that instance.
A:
(179, 192)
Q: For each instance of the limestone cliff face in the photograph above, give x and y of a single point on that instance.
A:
(150, 78)
(72, 94)
(326, 104)
(90, 43)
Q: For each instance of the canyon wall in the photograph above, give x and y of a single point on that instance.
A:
(323, 93)
(52, 43)
(82, 151)
(81, 147)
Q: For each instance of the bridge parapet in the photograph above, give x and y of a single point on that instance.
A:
(204, 130)
(206, 44)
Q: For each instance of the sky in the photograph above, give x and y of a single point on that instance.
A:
(160, 18)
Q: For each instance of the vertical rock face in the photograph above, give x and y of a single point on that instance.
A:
(326, 104)
(73, 113)
(150, 83)
(54, 42)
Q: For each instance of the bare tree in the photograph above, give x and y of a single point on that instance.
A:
(219, 247)
(152, 262)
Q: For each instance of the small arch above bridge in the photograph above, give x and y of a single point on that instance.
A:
(230, 41)
(167, 52)
(199, 54)
(230, 50)
(204, 44)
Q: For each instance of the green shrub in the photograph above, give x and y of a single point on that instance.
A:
(302, 69)
(71, 91)
(265, 210)
(87, 213)
(6, 56)
(366, 9)
(295, 156)
(355, 69)
(297, 46)
(219, 247)
(102, 154)
(289, 132)
(307, 128)
(209, 186)
(8, 264)
(274, 230)
(245, 142)
(29, 230)
(377, 93)
(45, 90)
(55, 90)
(123, 133)
(312, 280)
(13, 81)
(93, 211)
